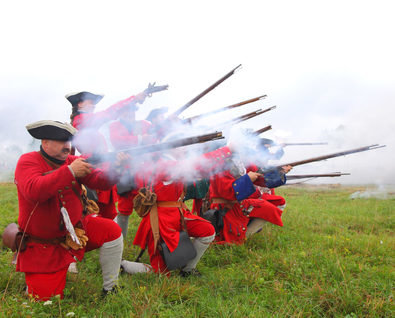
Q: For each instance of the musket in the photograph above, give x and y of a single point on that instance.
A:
(303, 176)
(226, 108)
(302, 143)
(262, 130)
(195, 99)
(333, 155)
(137, 151)
(154, 89)
(247, 116)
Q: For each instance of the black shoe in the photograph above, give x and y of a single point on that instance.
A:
(193, 272)
(112, 291)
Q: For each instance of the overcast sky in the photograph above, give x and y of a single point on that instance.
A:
(328, 66)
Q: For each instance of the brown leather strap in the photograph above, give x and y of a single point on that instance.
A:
(153, 216)
(229, 204)
(183, 206)
(170, 204)
(53, 241)
(154, 219)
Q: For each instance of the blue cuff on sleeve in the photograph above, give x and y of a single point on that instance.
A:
(243, 187)
(274, 178)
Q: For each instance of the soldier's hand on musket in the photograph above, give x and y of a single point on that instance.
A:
(286, 169)
(81, 168)
(254, 175)
(121, 160)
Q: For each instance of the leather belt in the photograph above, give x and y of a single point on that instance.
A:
(228, 204)
(170, 204)
(53, 241)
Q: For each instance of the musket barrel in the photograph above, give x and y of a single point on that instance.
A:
(333, 155)
(262, 130)
(303, 143)
(136, 151)
(195, 99)
(303, 176)
(253, 114)
(226, 108)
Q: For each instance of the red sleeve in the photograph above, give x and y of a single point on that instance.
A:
(120, 137)
(260, 181)
(221, 186)
(213, 161)
(99, 118)
(103, 178)
(35, 186)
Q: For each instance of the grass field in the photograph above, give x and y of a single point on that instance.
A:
(334, 257)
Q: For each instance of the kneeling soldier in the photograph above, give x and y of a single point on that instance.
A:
(55, 229)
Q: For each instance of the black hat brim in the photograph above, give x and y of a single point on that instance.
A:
(76, 98)
(51, 130)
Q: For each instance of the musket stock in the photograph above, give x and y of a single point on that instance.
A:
(154, 89)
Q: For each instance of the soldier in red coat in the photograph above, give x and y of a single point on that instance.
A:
(238, 212)
(166, 181)
(127, 132)
(89, 140)
(160, 124)
(56, 231)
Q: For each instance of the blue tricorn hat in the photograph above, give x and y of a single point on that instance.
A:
(156, 112)
(51, 129)
(266, 141)
(75, 98)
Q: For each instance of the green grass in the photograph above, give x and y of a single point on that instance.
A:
(334, 257)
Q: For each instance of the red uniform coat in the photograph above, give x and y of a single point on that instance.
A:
(125, 135)
(40, 198)
(122, 136)
(235, 220)
(89, 140)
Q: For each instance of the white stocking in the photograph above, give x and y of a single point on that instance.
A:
(123, 220)
(201, 244)
(134, 267)
(110, 260)
(254, 226)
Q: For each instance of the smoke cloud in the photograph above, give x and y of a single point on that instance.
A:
(331, 82)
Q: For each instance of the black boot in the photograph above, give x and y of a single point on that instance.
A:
(193, 272)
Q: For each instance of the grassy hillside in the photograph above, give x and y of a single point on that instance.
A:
(334, 257)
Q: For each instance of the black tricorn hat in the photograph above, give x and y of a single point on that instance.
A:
(51, 129)
(75, 98)
(156, 112)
